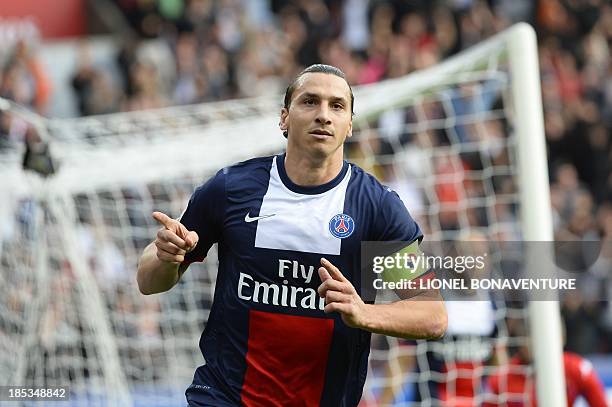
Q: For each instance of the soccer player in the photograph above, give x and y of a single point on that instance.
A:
(288, 326)
(516, 382)
(581, 380)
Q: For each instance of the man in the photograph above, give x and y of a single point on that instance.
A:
(516, 382)
(288, 326)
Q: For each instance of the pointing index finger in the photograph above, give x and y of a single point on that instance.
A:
(332, 270)
(164, 219)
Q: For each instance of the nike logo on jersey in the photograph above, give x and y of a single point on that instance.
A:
(248, 218)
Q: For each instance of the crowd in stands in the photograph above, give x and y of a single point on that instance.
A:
(221, 49)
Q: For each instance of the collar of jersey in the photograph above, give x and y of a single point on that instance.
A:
(308, 190)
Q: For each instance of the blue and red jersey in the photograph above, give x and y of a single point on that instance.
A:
(267, 341)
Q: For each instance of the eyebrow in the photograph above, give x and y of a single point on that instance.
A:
(332, 98)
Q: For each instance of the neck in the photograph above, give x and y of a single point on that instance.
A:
(311, 171)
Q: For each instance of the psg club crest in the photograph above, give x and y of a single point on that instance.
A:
(341, 226)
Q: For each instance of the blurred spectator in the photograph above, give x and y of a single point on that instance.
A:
(96, 94)
(355, 29)
(24, 79)
(185, 88)
(147, 93)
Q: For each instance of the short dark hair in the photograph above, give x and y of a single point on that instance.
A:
(316, 68)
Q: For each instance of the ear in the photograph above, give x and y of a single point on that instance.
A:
(350, 130)
(283, 119)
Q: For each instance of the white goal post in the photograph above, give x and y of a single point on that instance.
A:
(536, 217)
(70, 313)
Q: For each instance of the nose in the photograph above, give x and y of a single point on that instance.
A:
(323, 115)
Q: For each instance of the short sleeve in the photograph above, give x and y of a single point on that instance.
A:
(205, 215)
(393, 221)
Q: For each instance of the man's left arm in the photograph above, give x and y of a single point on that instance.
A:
(591, 387)
(418, 315)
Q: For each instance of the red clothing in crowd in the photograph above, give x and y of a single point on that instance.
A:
(580, 380)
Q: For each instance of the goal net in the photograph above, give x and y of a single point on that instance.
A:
(447, 139)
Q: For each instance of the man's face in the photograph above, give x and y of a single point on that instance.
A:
(319, 117)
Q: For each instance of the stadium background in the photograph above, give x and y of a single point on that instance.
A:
(96, 57)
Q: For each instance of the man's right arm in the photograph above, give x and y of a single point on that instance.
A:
(161, 264)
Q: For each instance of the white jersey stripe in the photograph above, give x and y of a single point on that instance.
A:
(300, 222)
